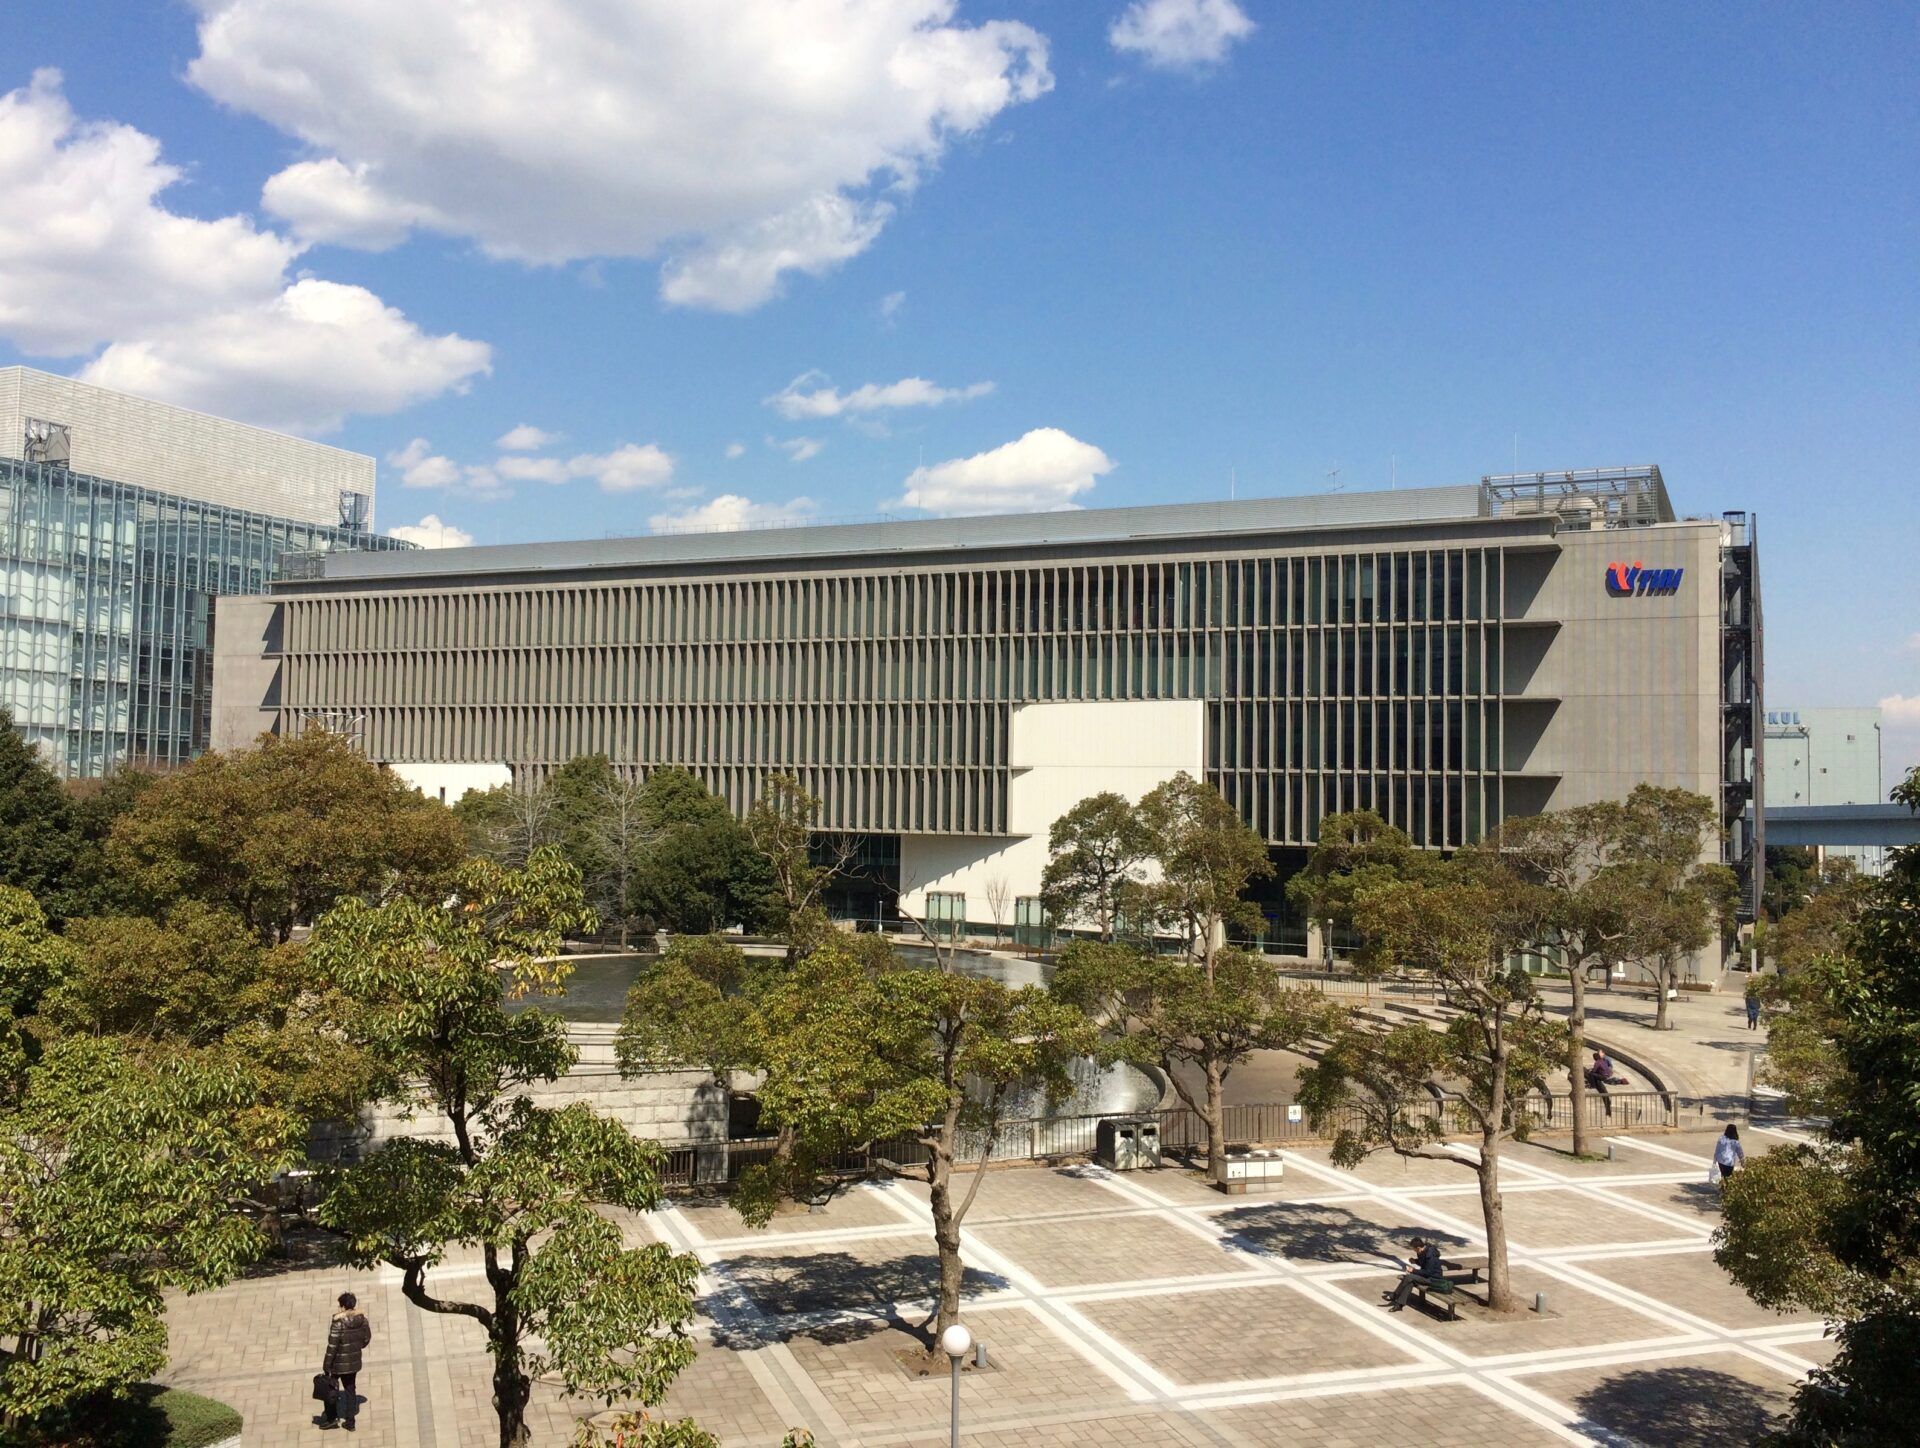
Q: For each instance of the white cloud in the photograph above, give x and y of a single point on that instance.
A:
(1901, 711)
(1180, 34)
(525, 438)
(431, 532)
(737, 270)
(329, 201)
(532, 470)
(749, 139)
(730, 512)
(890, 306)
(421, 467)
(302, 360)
(798, 449)
(196, 312)
(1041, 472)
(794, 401)
(736, 450)
(628, 467)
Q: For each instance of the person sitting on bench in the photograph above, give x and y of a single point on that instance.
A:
(1425, 1267)
(1600, 1075)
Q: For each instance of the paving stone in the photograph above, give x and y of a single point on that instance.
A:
(1706, 1401)
(1275, 1330)
(1692, 1282)
(1341, 1232)
(1446, 1416)
(1124, 1249)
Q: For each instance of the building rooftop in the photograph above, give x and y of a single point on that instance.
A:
(128, 439)
(924, 535)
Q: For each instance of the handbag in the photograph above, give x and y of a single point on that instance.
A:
(323, 1387)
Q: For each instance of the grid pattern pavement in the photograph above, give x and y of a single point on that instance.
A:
(1137, 1308)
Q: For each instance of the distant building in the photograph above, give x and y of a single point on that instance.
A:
(1446, 656)
(120, 520)
(1827, 756)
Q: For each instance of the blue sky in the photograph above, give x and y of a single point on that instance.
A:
(1258, 244)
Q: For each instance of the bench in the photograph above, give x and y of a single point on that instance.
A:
(1446, 1287)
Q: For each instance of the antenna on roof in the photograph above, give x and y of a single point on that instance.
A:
(1233, 483)
(1334, 475)
(1393, 470)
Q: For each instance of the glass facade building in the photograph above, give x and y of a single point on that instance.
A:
(105, 627)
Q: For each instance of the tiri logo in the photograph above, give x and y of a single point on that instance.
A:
(1627, 579)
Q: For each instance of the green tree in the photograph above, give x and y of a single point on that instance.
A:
(1206, 858)
(116, 1185)
(202, 980)
(781, 826)
(40, 839)
(1097, 854)
(1591, 897)
(1164, 1012)
(699, 871)
(280, 832)
(97, 888)
(951, 1052)
(1373, 1089)
(562, 1297)
(33, 962)
(1682, 902)
(1355, 849)
(1834, 1226)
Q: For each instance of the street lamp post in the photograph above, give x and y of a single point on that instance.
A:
(956, 1342)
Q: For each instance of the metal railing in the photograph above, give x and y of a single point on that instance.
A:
(1182, 1130)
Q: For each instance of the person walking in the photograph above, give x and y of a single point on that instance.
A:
(1728, 1153)
(1753, 1005)
(348, 1334)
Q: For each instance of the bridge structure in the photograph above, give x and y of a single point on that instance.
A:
(1891, 825)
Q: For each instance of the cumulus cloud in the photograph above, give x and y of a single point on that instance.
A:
(745, 141)
(200, 313)
(629, 467)
(525, 438)
(730, 512)
(421, 467)
(1901, 711)
(302, 360)
(805, 396)
(431, 532)
(736, 450)
(1180, 34)
(1041, 472)
(798, 449)
(329, 201)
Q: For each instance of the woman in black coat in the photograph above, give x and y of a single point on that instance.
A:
(348, 1334)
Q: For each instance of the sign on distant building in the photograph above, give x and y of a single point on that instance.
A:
(1627, 579)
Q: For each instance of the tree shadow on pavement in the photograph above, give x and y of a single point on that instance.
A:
(757, 1287)
(1307, 1232)
(1680, 1407)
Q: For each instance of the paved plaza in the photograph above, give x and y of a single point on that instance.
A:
(1130, 1308)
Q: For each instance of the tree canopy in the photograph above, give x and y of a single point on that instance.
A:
(279, 833)
(1834, 1226)
(1097, 854)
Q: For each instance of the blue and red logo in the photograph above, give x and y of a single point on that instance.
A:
(1625, 580)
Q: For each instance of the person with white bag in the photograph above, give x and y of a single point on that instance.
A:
(1727, 1154)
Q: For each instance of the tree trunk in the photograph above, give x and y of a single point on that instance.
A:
(1576, 1048)
(1216, 1114)
(1493, 1213)
(1660, 977)
(946, 1240)
(511, 1387)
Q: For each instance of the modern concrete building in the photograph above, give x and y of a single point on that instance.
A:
(120, 520)
(1825, 757)
(1447, 656)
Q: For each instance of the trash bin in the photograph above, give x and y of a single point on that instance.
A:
(1127, 1143)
